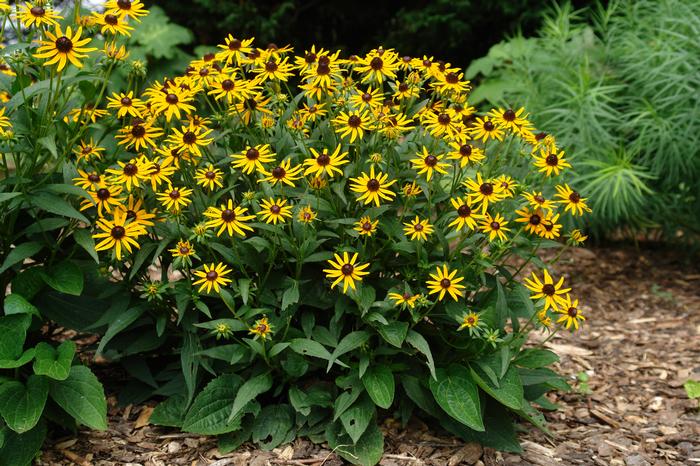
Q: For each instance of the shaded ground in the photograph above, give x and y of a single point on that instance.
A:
(641, 344)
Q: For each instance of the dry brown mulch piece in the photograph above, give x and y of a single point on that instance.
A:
(640, 344)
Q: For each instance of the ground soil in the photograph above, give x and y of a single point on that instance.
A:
(641, 342)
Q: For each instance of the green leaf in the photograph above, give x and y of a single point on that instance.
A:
(534, 358)
(54, 363)
(84, 239)
(349, 342)
(13, 329)
(247, 393)
(379, 383)
(49, 142)
(171, 412)
(290, 295)
(20, 449)
(509, 391)
(81, 395)
(4, 197)
(692, 389)
(356, 419)
(21, 407)
(367, 451)
(121, 322)
(16, 304)
(19, 254)
(56, 205)
(394, 333)
(65, 277)
(308, 347)
(417, 340)
(209, 412)
(273, 426)
(244, 289)
(158, 37)
(457, 393)
(23, 359)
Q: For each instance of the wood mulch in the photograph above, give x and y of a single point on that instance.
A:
(640, 344)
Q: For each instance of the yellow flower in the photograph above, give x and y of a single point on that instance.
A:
(405, 300)
(570, 313)
(62, 48)
(325, 162)
(470, 320)
(484, 191)
(174, 199)
(576, 237)
(158, 171)
(104, 197)
(172, 102)
(230, 88)
(494, 226)
(444, 281)
(306, 215)
(261, 329)
(547, 289)
(213, 276)
(378, 65)
(231, 219)
(411, 189)
(274, 69)
(87, 180)
(550, 228)
(532, 220)
(366, 226)
(253, 158)
(183, 249)
(427, 163)
(118, 234)
(126, 103)
(139, 135)
(234, 50)
(133, 9)
(465, 153)
(418, 229)
(190, 138)
(466, 215)
(134, 211)
(509, 118)
(209, 177)
(112, 24)
(87, 150)
(369, 99)
(37, 15)
(373, 187)
(573, 200)
(282, 173)
(508, 185)
(439, 124)
(130, 173)
(538, 201)
(275, 210)
(551, 162)
(485, 129)
(346, 270)
(353, 124)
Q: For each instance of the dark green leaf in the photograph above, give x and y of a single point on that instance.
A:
(273, 426)
(54, 363)
(394, 333)
(65, 277)
(209, 414)
(356, 419)
(509, 391)
(81, 395)
(171, 412)
(417, 340)
(20, 449)
(457, 393)
(247, 393)
(16, 304)
(349, 342)
(20, 253)
(21, 406)
(379, 383)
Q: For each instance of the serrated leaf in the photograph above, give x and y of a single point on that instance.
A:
(54, 363)
(158, 36)
(209, 413)
(170, 413)
(380, 385)
(21, 406)
(81, 395)
(248, 391)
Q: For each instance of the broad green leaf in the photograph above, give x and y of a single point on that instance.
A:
(84, 239)
(308, 347)
(244, 289)
(21, 449)
(54, 363)
(509, 391)
(273, 426)
(16, 304)
(189, 362)
(534, 358)
(81, 395)
(692, 389)
(367, 451)
(356, 419)
(171, 412)
(209, 412)
(379, 383)
(394, 333)
(13, 329)
(159, 37)
(20, 253)
(56, 205)
(121, 322)
(248, 391)
(290, 295)
(49, 142)
(23, 359)
(344, 401)
(420, 395)
(65, 277)
(457, 393)
(4, 197)
(349, 342)
(21, 406)
(417, 340)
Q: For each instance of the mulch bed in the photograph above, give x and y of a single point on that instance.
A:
(640, 344)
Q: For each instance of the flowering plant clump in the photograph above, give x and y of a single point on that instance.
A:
(304, 242)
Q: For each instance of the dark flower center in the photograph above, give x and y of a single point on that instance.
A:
(406, 59)
(171, 99)
(251, 104)
(486, 189)
(465, 150)
(93, 177)
(323, 159)
(130, 169)
(86, 149)
(252, 154)
(552, 160)
(209, 57)
(323, 69)
(366, 97)
(464, 211)
(373, 184)
(376, 63)
(174, 194)
(367, 226)
(103, 194)
(535, 219)
(403, 87)
(37, 11)
(271, 66)
(310, 58)
(418, 227)
(431, 160)
(347, 269)
(189, 137)
(228, 215)
(445, 283)
(549, 289)
(427, 63)
(509, 115)
(204, 72)
(124, 4)
(324, 60)
(278, 172)
(112, 20)
(575, 197)
(495, 226)
(64, 44)
(452, 78)
(539, 199)
(126, 101)
(354, 121)
(184, 250)
(540, 136)
(572, 312)
(210, 175)
(138, 131)
(118, 232)
(235, 44)
(212, 275)
(275, 209)
(444, 119)
(130, 214)
(227, 84)
(488, 126)
(548, 226)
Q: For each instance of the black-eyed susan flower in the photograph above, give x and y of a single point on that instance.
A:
(508, 185)
(209, 177)
(158, 171)
(485, 129)
(495, 226)
(465, 153)
(484, 191)
(133, 9)
(393, 126)
(405, 90)
(466, 214)
(135, 211)
(546, 289)
(551, 162)
(129, 174)
(404, 300)
(439, 124)
(234, 50)
(509, 118)
(88, 180)
(576, 237)
(418, 229)
(274, 69)
(283, 173)
(182, 250)
(570, 314)
(87, 151)
(213, 276)
(230, 88)
(352, 125)
(345, 269)
(306, 215)
(369, 99)
(105, 197)
(119, 53)
(572, 200)
(532, 219)
(261, 329)
(544, 319)
(126, 104)
(275, 210)
(38, 15)
(411, 190)
(378, 65)
(60, 48)
(190, 138)
(255, 106)
(140, 134)
(313, 112)
(252, 158)
(451, 82)
(84, 114)
(113, 24)
(366, 226)
(428, 163)
(325, 162)
(538, 201)
(550, 228)
(471, 322)
(118, 234)
(229, 218)
(373, 188)
(174, 198)
(171, 102)
(443, 281)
